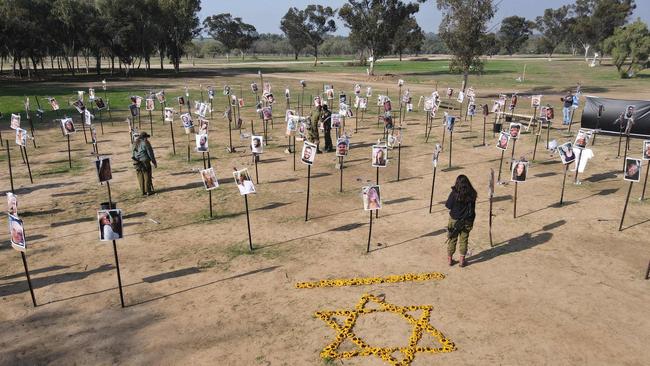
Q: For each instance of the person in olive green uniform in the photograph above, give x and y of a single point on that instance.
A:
(326, 118)
(143, 157)
(312, 132)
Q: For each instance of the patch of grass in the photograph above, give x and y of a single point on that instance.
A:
(206, 264)
(241, 249)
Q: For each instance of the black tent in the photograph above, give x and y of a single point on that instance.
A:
(612, 110)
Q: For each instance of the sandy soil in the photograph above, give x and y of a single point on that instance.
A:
(562, 286)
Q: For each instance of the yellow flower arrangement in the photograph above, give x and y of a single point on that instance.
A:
(341, 282)
(420, 326)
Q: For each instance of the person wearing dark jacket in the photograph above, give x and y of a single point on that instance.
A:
(461, 204)
(326, 118)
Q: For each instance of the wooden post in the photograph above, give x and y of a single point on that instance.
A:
(484, 123)
(369, 233)
(308, 184)
(433, 184)
(29, 169)
(69, 153)
(645, 182)
(29, 280)
(500, 165)
(566, 168)
(514, 211)
(248, 224)
(627, 199)
(119, 277)
(341, 174)
(451, 144)
(399, 158)
(171, 128)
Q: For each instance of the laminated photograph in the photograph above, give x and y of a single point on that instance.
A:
(17, 233)
(12, 204)
(257, 144)
(201, 140)
(103, 168)
(15, 121)
(244, 182)
(632, 170)
(308, 153)
(342, 146)
(67, 126)
(519, 171)
(169, 114)
(21, 137)
(110, 225)
(379, 156)
(209, 178)
(371, 198)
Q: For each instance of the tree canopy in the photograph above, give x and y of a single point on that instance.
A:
(233, 33)
(514, 32)
(629, 47)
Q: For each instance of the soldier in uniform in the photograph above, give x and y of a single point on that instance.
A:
(312, 132)
(143, 157)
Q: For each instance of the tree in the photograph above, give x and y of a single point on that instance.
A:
(293, 26)
(491, 44)
(409, 36)
(180, 24)
(463, 29)
(514, 32)
(318, 22)
(630, 45)
(374, 23)
(554, 27)
(595, 20)
(233, 33)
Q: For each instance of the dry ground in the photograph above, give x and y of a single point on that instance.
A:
(562, 286)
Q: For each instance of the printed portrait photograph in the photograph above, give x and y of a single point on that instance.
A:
(566, 153)
(110, 224)
(210, 93)
(21, 137)
(302, 127)
(244, 182)
(269, 98)
(632, 170)
(495, 107)
(308, 153)
(428, 104)
(150, 105)
(342, 146)
(204, 124)
(91, 94)
(186, 119)
(357, 89)
(629, 111)
(12, 204)
(535, 101)
(519, 171)
(181, 101)
(267, 113)
(646, 150)
(379, 156)
(67, 126)
(343, 98)
(17, 233)
(209, 179)
(15, 121)
(202, 109)
(257, 144)
(169, 114)
(471, 110)
(329, 93)
(582, 138)
(79, 106)
(161, 97)
(502, 142)
(450, 92)
(135, 111)
(201, 140)
(99, 103)
(103, 167)
(387, 118)
(292, 126)
(387, 105)
(514, 129)
(400, 82)
(461, 97)
(254, 87)
(336, 120)
(371, 198)
(450, 121)
(54, 104)
(395, 138)
(436, 154)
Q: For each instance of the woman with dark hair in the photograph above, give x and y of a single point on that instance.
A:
(461, 204)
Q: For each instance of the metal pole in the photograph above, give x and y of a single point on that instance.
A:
(627, 199)
(29, 280)
(308, 184)
(119, 277)
(248, 223)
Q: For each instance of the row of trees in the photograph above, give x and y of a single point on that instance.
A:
(31, 31)
(133, 33)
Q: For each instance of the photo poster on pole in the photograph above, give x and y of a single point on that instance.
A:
(342, 146)
(110, 224)
(308, 154)
(371, 196)
(15, 121)
(67, 126)
(633, 167)
(201, 140)
(209, 178)
(12, 204)
(21, 137)
(379, 157)
(244, 182)
(257, 144)
(103, 169)
(519, 171)
(17, 233)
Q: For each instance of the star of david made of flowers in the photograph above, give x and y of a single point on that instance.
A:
(345, 331)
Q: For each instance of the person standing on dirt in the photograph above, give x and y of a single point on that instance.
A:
(461, 204)
(566, 110)
(326, 119)
(312, 132)
(143, 156)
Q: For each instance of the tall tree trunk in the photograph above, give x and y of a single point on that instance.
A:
(315, 56)
(295, 55)
(400, 56)
(98, 63)
(465, 77)
(242, 54)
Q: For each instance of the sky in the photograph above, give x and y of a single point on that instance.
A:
(265, 15)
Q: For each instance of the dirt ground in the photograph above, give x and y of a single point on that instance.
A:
(561, 286)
